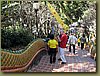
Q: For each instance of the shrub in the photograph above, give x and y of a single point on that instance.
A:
(11, 37)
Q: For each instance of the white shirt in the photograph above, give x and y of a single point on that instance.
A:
(72, 39)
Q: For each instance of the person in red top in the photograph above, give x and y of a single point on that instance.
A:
(63, 41)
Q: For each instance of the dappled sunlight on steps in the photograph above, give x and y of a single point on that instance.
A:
(81, 62)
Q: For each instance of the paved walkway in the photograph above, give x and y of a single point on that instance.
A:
(81, 62)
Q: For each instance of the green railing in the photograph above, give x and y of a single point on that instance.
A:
(17, 62)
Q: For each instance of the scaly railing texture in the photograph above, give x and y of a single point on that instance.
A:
(11, 62)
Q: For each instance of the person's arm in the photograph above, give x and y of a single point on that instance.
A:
(68, 40)
(48, 45)
(58, 39)
(81, 39)
(76, 39)
(57, 48)
(56, 43)
(62, 38)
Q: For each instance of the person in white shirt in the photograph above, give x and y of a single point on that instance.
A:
(72, 41)
(62, 47)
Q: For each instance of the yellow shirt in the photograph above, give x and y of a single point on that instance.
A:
(52, 43)
(78, 39)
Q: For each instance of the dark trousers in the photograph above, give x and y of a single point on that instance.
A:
(82, 46)
(78, 43)
(73, 48)
(52, 55)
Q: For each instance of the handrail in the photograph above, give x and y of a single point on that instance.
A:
(17, 62)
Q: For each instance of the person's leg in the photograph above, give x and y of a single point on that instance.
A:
(81, 46)
(74, 49)
(70, 48)
(78, 43)
(51, 55)
(58, 51)
(54, 56)
(62, 55)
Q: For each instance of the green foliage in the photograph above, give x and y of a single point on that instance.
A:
(72, 9)
(12, 37)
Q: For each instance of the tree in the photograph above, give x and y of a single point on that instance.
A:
(89, 19)
(70, 11)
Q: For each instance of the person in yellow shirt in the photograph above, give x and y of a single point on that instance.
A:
(53, 44)
(79, 42)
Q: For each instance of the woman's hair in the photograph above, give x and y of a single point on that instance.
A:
(52, 36)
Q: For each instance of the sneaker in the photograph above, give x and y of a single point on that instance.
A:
(63, 63)
(59, 59)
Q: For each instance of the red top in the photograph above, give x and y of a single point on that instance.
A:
(64, 40)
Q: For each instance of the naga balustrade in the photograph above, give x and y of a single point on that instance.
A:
(11, 62)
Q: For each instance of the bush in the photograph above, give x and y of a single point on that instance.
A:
(11, 37)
